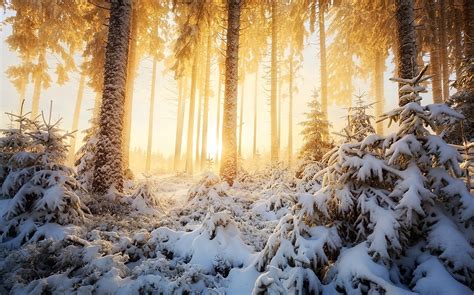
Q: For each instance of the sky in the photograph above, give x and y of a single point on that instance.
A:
(307, 79)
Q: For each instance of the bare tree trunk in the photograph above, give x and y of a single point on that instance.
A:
(443, 45)
(457, 32)
(435, 66)
(379, 95)
(218, 120)
(179, 125)
(275, 148)
(22, 94)
(468, 28)
(290, 112)
(228, 169)
(97, 104)
(150, 118)
(407, 67)
(324, 73)
(37, 86)
(108, 171)
(192, 103)
(280, 99)
(75, 119)
(241, 117)
(131, 74)
(199, 115)
(206, 102)
(255, 115)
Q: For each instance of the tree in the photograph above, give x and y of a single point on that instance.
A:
(315, 140)
(228, 168)
(275, 146)
(75, 119)
(182, 83)
(150, 117)
(108, 172)
(406, 40)
(207, 94)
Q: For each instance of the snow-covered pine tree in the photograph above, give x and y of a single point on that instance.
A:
(316, 140)
(85, 156)
(14, 140)
(396, 215)
(42, 189)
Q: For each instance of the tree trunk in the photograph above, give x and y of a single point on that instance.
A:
(75, 119)
(290, 112)
(97, 104)
(279, 98)
(468, 28)
(324, 74)
(179, 125)
(406, 47)
(108, 172)
(443, 45)
(228, 168)
(218, 120)
(275, 148)
(206, 102)
(192, 105)
(199, 115)
(457, 32)
(37, 86)
(131, 74)
(255, 115)
(379, 95)
(22, 93)
(150, 118)
(241, 117)
(435, 66)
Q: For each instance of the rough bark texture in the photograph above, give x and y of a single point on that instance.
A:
(443, 46)
(108, 171)
(468, 26)
(275, 148)
(228, 168)
(457, 32)
(192, 105)
(406, 45)
(131, 73)
(179, 126)
(150, 118)
(75, 119)
(241, 117)
(322, 54)
(254, 153)
(206, 103)
(435, 66)
(379, 95)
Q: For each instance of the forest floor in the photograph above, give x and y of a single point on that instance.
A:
(127, 246)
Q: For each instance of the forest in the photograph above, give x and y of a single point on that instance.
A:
(237, 147)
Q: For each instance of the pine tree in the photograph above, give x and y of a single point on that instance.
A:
(42, 189)
(395, 205)
(314, 134)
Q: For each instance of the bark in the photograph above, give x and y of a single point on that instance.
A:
(75, 119)
(241, 117)
(255, 115)
(457, 32)
(228, 168)
(323, 61)
(435, 66)
(443, 45)
(379, 85)
(131, 73)
(108, 172)
(290, 112)
(192, 105)
(275, 148)
(406, 45)
(97, 104)
(179, 126)
(206, 103)
(150, 118)
(37, 86)
(218, 119)
(468, 28)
